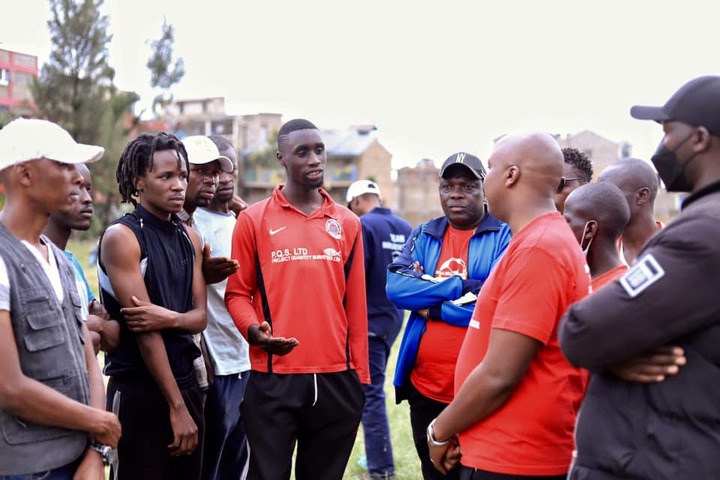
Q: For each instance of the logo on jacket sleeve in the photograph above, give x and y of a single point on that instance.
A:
(333, 227)
(641, 275)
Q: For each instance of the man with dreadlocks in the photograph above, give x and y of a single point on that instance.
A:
(151, 281)
(299, 300)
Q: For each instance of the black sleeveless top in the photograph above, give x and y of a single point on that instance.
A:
(168, 279)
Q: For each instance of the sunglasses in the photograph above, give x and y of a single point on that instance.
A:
(565, 180)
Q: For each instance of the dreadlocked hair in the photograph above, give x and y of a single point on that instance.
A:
(137, 159)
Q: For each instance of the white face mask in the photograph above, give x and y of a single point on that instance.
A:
(582, 238)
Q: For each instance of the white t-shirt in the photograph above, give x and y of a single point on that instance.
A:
(50, 268)
(228, 348)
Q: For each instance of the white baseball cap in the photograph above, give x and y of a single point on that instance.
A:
(22, 140)
(361, 187)
(202, 150)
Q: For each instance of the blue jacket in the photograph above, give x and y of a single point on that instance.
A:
(408, 290)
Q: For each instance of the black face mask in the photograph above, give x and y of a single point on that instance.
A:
(669, 168)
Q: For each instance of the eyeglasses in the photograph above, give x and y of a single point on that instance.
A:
(565, 180)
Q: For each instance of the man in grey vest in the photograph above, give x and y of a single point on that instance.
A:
(52, 418)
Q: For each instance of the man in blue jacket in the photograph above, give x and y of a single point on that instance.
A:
(437, 277)
(384, 236)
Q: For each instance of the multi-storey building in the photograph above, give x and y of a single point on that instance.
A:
(352, 154)
(17, 71)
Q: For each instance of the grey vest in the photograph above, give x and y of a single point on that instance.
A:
(48, 336)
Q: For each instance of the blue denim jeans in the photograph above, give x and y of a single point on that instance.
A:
(65, 472)
(225, 453)
(378, 447)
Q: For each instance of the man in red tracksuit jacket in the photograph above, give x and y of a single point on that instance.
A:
(299, 299)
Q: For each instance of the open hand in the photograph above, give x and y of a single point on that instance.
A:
(217, 269)
(262, 335)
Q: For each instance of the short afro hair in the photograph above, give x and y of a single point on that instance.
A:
(604, 203)
(580, 162)
(293, 126)
(221, 142)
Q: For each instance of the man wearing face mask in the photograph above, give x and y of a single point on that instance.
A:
(597, 214)
(661, 430)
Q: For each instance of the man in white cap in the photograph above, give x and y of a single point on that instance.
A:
(206, 164)
(52, 418)
(384, 236)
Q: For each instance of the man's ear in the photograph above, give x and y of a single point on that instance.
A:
(592, 229)
(512, 175)
(279, 157)
(24, 173)
(701, 139)
(642, 195)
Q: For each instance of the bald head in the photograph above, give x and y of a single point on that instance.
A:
(637, 180)
(602, 202)
(539, 157)
(526, 174)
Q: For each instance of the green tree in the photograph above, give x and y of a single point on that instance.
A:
(74, 85)
(164, 71)
(75, 89)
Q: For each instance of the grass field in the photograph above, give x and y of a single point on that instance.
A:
(407, 465)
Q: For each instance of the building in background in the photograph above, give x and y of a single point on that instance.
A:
(352, 154)
(17, 72)
(603, 152)
(417, 193)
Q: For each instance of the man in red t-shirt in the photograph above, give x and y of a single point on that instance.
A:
(516, 396)
(437, 278)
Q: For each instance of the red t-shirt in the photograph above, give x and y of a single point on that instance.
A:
(542, 272)
(434, 371)
(607, 277)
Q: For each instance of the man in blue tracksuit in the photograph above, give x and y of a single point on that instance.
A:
(384, 236)
(438, 275)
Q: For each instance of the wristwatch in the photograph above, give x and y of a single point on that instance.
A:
(103, 450)
(431, 436)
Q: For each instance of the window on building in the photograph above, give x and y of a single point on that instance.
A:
(4, 76)
(588, 152)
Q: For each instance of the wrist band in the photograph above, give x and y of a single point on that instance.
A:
(431, 436)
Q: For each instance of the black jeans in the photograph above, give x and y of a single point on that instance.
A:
(422, 411)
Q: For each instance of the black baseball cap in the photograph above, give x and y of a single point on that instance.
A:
(468, 160)
(697, 103)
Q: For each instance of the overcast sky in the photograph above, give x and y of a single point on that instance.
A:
(435, 77)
